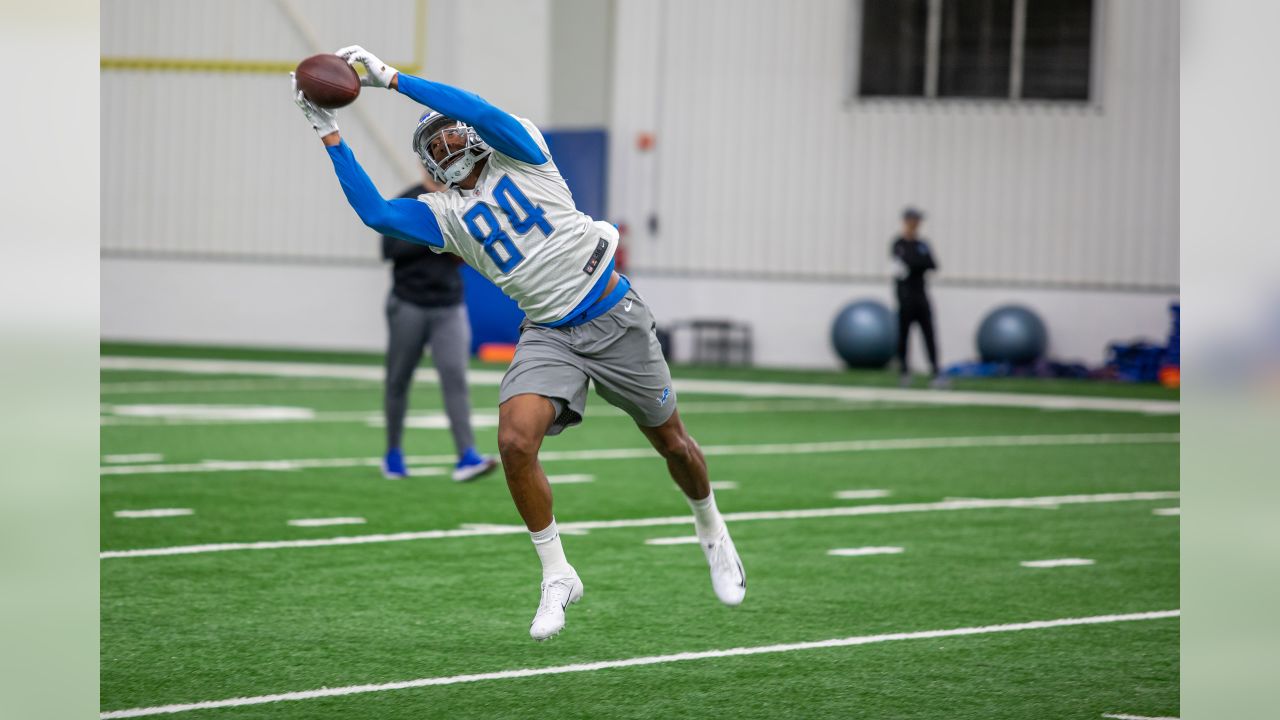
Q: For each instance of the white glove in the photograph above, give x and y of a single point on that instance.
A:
(377, 73)
(322, 119)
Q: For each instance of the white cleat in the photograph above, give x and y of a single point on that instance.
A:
(728, 578)
(557, 594)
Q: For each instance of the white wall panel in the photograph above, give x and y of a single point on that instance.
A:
(224, 164)
(253, 29)
(763, 167)
(219, 163)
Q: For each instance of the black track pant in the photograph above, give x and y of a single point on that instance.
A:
(914, 308)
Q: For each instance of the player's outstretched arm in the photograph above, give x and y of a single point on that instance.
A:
(404, 218)
(495, 126)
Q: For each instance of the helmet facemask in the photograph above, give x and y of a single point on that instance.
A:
(463, 145)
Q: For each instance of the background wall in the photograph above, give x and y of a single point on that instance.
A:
(764, 166)
(773, 195)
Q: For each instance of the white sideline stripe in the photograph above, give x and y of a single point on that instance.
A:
(272, 465)
(195, 366)
(322, 522)
(1059, 562)
(211, 413)
(134, 458)
(154, 513)
(1121, 716)
(201, 386)
(682, 540)
(740, 406)
(166, 415)
(438, 420)
(570, 479)
(723, 485)
(473, 531)
(705, 387)
(637, 662)
(856, 552)
(1167, 511)
(838, 446)
(932, 397)
(861, 494)
(208, 386)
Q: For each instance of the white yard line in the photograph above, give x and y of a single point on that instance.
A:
(861, 494)
(324, 522)
(723, 485)
(133, 458)
(1046, 507)
(637, 662)
(1167, 511)
(1122, 716)
(681, 540)
(838, 446)
(1058, 562)
(570, 479)
(501, 529)
(806, 514)
(154, 513)
(860, 551)
(705, 387)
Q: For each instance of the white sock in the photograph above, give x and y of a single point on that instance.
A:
(706, 518)
(547, 542)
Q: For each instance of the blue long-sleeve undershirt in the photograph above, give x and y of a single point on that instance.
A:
(405, 218)
(495, 126)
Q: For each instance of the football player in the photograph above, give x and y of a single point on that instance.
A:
(509, 214)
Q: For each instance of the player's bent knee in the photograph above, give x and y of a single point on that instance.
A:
(517, 446)
(677, 447)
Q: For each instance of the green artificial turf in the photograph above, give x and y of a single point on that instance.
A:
(209, 626)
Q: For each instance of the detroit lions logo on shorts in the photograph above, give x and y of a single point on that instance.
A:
(666, 393)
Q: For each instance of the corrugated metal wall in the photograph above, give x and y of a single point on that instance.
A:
(764, 167)
(219, 162)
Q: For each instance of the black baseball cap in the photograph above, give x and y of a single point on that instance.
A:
(911, 213)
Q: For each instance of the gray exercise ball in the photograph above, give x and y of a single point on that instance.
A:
(1012, 334)
(865, 334)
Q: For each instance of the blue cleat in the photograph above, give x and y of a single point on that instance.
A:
(472, 465)
(393, 465)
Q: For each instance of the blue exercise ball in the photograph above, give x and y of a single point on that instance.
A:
(865, 334)
(1012, 334)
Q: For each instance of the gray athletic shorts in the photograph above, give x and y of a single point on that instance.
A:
(617, 351)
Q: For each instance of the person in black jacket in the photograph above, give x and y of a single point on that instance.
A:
(914, 258)
(425, 306)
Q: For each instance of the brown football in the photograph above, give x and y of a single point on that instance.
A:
(328, 81)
